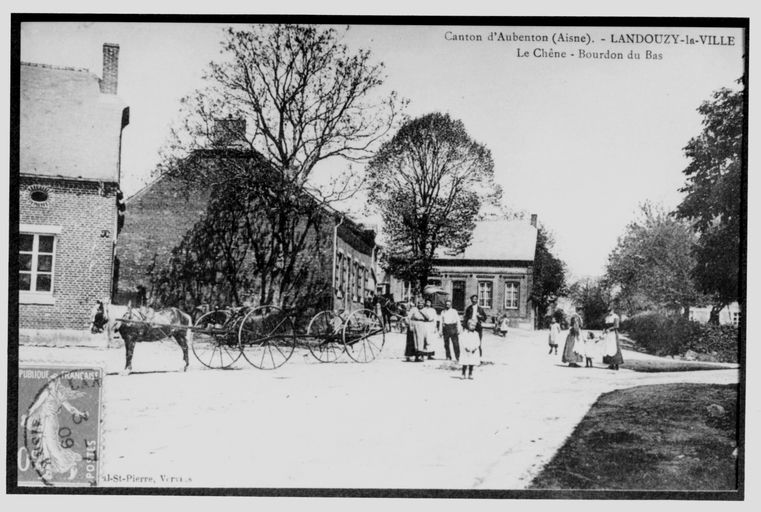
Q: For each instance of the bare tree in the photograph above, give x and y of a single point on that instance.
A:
(280, 100)
(305, 97)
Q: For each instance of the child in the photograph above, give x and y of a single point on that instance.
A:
(589, 349)
(469, 344)
(554, 333)
(503, 325)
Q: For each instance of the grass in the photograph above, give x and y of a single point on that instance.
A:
(666, 365)
(657, 437)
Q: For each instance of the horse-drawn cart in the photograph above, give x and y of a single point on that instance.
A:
(266, 336)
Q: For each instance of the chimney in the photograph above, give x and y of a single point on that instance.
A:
(229, 133)
(533, 219)
(110, 68)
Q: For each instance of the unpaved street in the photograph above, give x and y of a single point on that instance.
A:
(386, 424)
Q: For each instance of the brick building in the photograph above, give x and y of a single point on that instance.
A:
(497, 267)
(160, 215)
(157, 217)
(70, 128)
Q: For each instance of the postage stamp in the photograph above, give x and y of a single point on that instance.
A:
(59, 425)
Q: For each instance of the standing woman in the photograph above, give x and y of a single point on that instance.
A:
(418, 326)
(570, 354)
(613, 356)
(431, 331)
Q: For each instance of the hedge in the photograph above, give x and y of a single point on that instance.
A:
(674, 335)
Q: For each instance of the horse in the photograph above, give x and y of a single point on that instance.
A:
(148, 329)
(104, 315)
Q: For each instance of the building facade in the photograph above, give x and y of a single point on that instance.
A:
(497, 267)
(70, 130)
(159, 216)
(156, 219)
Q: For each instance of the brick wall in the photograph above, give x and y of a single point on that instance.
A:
(86, 215)
(155, 221)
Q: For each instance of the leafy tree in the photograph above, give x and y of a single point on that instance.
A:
(594, 297)
(429, 182)
(549, 273)
(652, 263)
(714, 195)
(261, 240)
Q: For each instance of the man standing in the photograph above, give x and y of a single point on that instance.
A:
(450, 329)
(476, 313)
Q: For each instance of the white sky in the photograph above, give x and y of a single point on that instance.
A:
(579, 142)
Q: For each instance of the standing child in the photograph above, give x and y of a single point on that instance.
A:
(554, 334)
(504, 324)
(469, 344)
(590, 348)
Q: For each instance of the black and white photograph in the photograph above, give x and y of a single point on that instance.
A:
(358, 256)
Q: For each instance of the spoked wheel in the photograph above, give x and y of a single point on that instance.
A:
(266, 337)
(217, 350)
(325, 337)
(363, 335)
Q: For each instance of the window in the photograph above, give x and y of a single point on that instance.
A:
(344, 267)
(736, 318)
(357, 283)
(339, 260)
(36, 263)
(512, 295)
(407, 291)
(484, 294)
(435, 282)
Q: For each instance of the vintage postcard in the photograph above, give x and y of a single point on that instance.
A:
(357, 256)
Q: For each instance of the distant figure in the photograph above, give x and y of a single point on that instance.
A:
(418, 326)
(430, 332)
(612, 346)
(570, 351)
(477, 314)
(554, 335)
(469, 356)
(450, 330)
(504, 324)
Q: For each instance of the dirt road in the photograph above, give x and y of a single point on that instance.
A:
(386, 424)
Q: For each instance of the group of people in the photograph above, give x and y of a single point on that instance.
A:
(464, 337)
(578, 348)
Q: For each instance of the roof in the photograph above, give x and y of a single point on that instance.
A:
(498, 240)
(67, 127)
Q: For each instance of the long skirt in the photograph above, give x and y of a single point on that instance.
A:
(419, 333)
(569, 350)
(409, 349)
(612, 348)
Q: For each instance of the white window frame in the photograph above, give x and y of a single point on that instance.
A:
(481, 301)
(517, 286)
(33, 296)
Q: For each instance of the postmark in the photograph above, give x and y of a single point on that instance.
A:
(59, 426)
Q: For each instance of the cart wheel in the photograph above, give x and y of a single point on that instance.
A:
(363, 335)
(215, 350)
(324, 336)
(266, 337)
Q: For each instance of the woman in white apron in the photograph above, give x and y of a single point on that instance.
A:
(611, 345)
